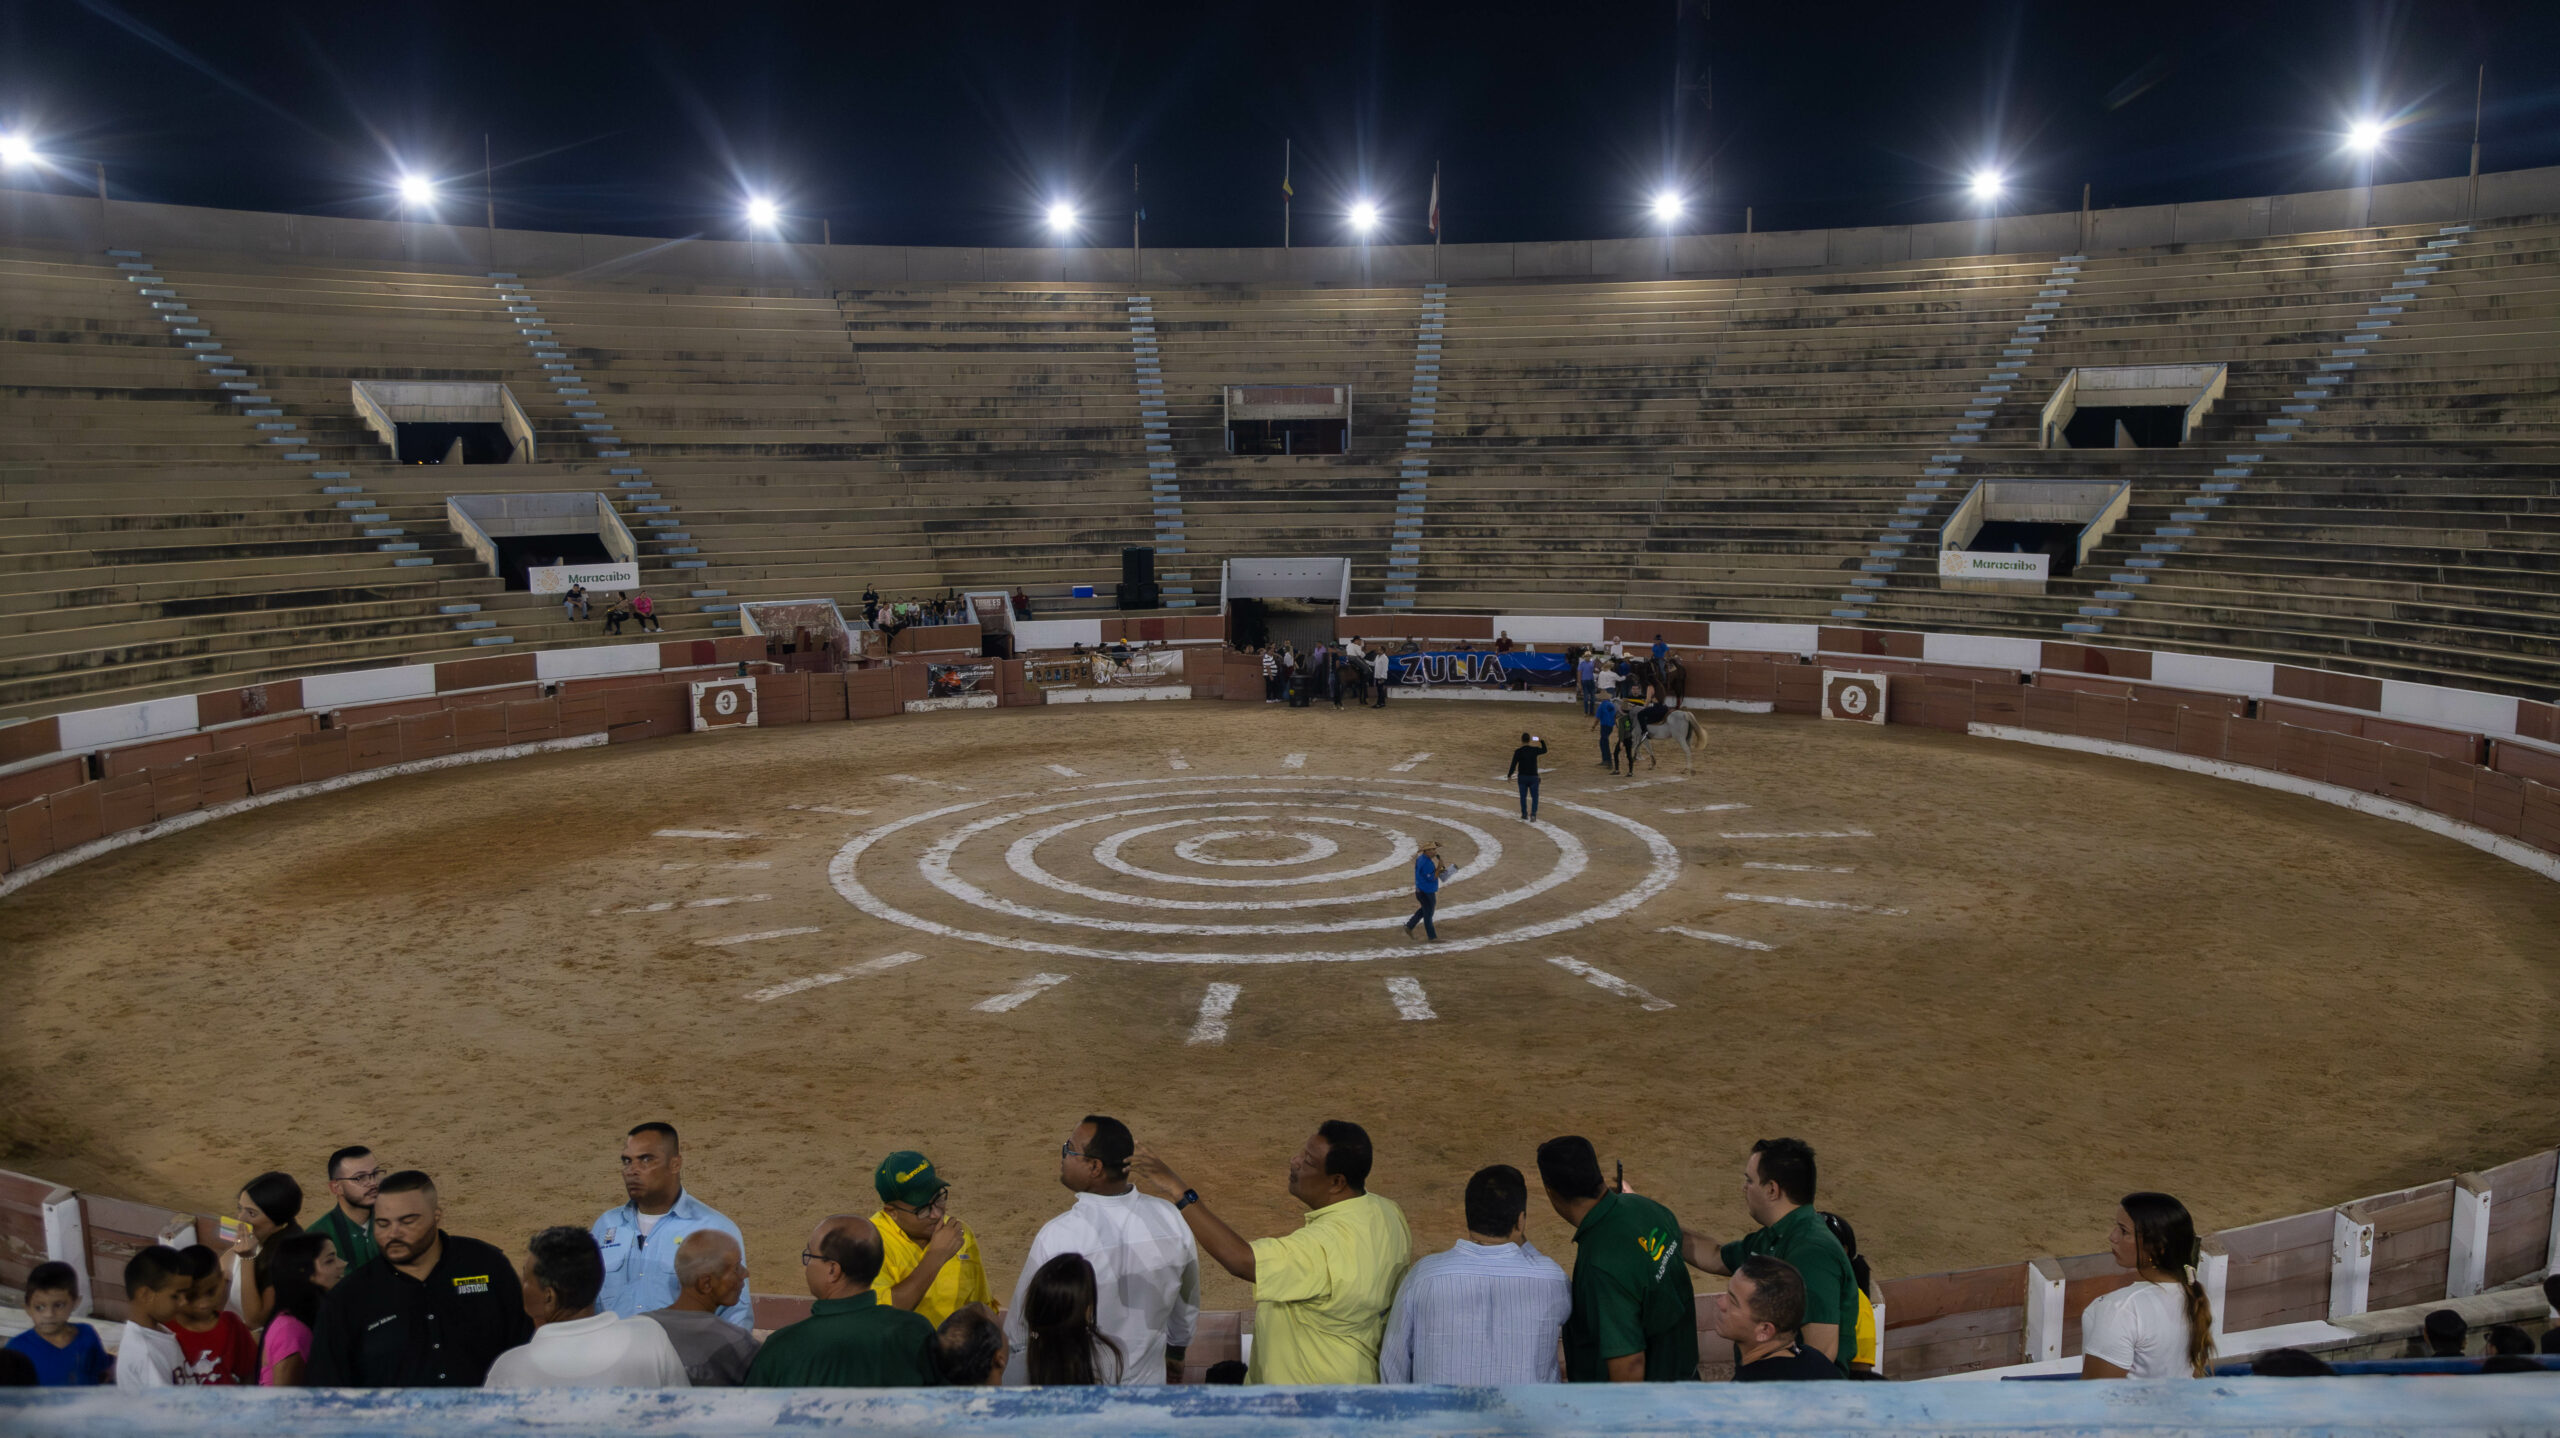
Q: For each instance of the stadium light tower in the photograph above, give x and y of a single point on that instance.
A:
(1667, 206)
(16, 150)
(2365, 136)
(1987, 185)
(1364, 217)
(417, 191)
(1062, 218)
(762, 213)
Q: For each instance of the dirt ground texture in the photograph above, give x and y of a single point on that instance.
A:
(2105, 977)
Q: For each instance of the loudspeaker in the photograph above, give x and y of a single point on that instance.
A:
(1138, 579)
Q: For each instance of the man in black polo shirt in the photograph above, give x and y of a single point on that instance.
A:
(1759, 1312)
(1524, 767)
(434, 1312)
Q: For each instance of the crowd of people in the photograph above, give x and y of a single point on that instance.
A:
(374, 1291)
(632, 606)
(952, 607)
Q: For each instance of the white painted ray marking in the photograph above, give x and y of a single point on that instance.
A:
(1708, 809)
(1804, 868)
(726, 900)
(868, 966)
(1062, 771)
(1834, 904)
(703, 834)
(1173, 759)
(1032, 988)
(732, 864)
(827, 809)
(931, 783)
(657, 908)
(1806, 834)
(1407, 765)
(1714, 938)
(1600, 978)
(729, 939)
(1215, 1005)
(1411, 1002)
(1293, 761)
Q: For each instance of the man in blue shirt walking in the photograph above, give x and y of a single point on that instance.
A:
(1606, 716)
(1427, 872)
(638, 1240)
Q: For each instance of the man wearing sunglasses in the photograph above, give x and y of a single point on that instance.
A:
(929, 1260)
(1146, 1265)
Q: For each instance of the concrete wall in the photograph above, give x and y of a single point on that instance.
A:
(75, 223)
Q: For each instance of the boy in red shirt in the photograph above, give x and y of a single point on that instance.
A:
(219, 1347)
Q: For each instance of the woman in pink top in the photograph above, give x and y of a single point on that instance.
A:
(303, 1267)
(647, 609)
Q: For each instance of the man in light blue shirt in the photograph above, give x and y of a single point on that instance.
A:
(638, 1240)
(1427, 870)
(1487, 1311)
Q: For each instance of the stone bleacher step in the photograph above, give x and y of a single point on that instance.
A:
(494, 639)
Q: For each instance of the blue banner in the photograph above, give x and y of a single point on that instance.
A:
(1482, 668)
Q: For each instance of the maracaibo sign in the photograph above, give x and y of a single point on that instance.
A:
(1970, 569)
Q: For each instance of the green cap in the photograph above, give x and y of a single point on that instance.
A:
(907, 1177)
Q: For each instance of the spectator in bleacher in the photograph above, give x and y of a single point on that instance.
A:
(1068, 1347)
(711, 1277)
(646, 610)
(155, 1288)
(1145, 1262)
(2160, 1325)
(929, 1259)
(870, 604)
(219, 1349)
(1021, 603)
(434, 1312)
(2508, 1338)
(1502, 642)
(1862, 1362)
(1761, 1312)
(850, 1338)
(639, 1239)
(970, 1349)
(573, 1345)
(305, 1266)
(1490, 1308)
(268, 1204)
(1321, 1294)
(2289, 1363)
(2510, 1363)
(618, 615)
(2444, 1334)
(573, 601)
(1604, 716)
(1777, 1191)
(1635, 1316)
(355, 1175)
(61, 1353)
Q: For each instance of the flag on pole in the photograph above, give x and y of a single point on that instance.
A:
(1284, 170)
(1435, 197)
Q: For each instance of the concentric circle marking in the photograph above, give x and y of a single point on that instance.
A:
(1107, 853)
(1311, 848)
(1022, 859)
(1253, 798)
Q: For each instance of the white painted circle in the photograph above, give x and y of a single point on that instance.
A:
(1311, 848)
(1022, 858)
(1852, 698)
(725, 701)
(1262, 796)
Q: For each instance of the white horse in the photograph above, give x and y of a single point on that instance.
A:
(1681, 725)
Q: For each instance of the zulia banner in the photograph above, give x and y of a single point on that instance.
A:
(1482, 667)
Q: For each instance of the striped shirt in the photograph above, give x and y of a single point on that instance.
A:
(1480, 1313)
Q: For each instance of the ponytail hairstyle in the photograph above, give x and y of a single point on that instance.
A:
(1059, 1308)
(2164, 1240)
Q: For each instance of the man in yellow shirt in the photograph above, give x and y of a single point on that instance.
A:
(929, 1260)
(1321, 1294)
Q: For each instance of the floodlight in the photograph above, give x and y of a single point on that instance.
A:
(1062, 216)
(761, 212)
(1666, 206)
(16, 150)
(2365, 136)
(1364, 216)
(1987, 184)
(416, 190)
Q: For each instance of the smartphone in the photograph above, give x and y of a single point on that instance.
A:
(1622, 1175)
(233, 1230)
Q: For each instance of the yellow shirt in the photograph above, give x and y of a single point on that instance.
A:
(961, 1282)
(1865, 1352)
(1321, 1294)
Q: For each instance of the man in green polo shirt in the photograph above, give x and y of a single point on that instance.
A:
(355, 1180)
(1777, 1187)
(850, 1338)
(1635, 1317)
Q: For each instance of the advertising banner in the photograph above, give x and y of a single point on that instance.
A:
(1959, 568)
(1482, 668)
(1147, 666)
(953, 681)
(556, 578)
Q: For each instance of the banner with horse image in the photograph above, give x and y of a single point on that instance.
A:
(953, 681)
(1141, 668)
(1482, 668)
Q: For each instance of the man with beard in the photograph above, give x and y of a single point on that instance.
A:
(434, 1312)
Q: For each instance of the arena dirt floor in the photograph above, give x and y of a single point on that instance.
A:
(1995, 986)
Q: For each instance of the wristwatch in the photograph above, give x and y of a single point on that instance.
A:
(1189, 1197)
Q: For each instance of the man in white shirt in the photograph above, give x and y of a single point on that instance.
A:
(1487, 1311)
(573, 1345)
(1146, 1266)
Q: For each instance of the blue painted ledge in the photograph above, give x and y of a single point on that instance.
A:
(2506, 1405)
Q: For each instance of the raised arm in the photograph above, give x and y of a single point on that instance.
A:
(1218, 1240)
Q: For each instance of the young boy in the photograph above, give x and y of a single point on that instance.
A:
(218, 1347)
(66, 1354)
(155, 1288)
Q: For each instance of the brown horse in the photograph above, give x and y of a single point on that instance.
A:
(1673, 682)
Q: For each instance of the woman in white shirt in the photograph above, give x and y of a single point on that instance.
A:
(2161, 1324)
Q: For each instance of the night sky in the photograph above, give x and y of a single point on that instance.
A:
(946, 124)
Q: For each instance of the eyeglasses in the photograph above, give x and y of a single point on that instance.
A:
(368, 1176)
(940, 1201)
(1069, 1150)
(806, 1258)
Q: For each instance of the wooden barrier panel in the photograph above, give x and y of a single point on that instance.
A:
(78, 815)
(1894, 643)
(2097, 659)
(1955, 1322)
(1798, 689)
(222, 776)
(2412, 1238)
(324, 755)
(374, 745)
(2352, 763)
(275, 765)
(483, 673)
(2151, 723)
(2279, 1271)
(2203, 733)
(2540, 826)
(2323, 686)
(129, 803)
(2100, 716)
(2497, 802)
(134, 758)
(33, 739)
(36, 781)
(2520, 1196)
(426, 736)
(2086, 1278)
(118, 1229)
(941, 639)
(782, 699)
(174, 791)
(22, 1238)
